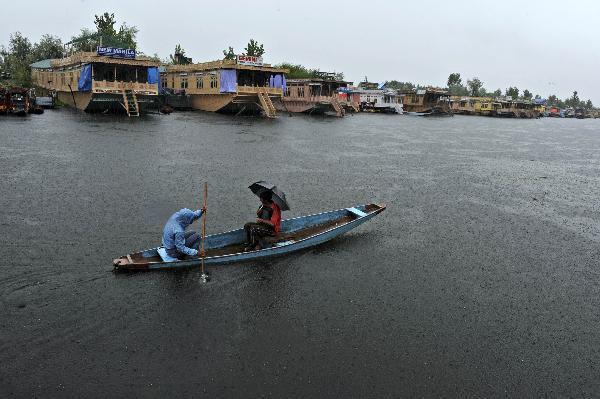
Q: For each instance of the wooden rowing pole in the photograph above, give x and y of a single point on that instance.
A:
(204, 276)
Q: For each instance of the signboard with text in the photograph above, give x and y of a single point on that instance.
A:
(116, 52)
(249, 60)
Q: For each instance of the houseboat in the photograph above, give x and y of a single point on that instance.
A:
(108, 80)
(19, 101)
(510, 108)
(315, 95)
(426, 102)
(4, 101)
(380, 100)
(349, 98)
(244, 85)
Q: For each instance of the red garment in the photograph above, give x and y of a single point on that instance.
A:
(276, 217)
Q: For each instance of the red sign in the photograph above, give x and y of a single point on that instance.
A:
(249, 60)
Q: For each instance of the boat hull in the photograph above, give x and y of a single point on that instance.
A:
(237, 236)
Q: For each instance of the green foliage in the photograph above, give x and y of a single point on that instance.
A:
(179, 58)
(475, 87)
(513, 92)
(497, 93)
(85, 41)
(17, 58)
(254, 48)
(48, 47)
(527, 95)
(105, 34)
(297, 71)
(454, 80)
(105, 24)
(402, 86)
(229, 54)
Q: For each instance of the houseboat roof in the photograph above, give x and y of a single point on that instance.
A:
(88, 57)
(317, 81)
(222, 64)
(43, 64)
(434, 90)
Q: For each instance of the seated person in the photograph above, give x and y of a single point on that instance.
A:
(177, 242)
(268, 222)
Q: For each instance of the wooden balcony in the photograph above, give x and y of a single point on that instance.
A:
(103, 86)
(275, 91)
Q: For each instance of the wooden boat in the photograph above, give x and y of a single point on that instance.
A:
(297, 233)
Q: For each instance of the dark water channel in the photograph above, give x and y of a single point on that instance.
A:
(481, 279)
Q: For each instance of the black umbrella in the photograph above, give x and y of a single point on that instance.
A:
(278, 196)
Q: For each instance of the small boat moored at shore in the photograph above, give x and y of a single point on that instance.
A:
(297, 233)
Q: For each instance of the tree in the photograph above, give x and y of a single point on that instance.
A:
(575, 99)
(19, 47)
(401, 86)
(105, 24)
(497, 93)
(86, 40)
(48, 47)
(229, 54)
(454, 80)
(297, 71)
(527, 94)
(126, 36)
(588, 104)
(178, 57)
(105, 34)
(254, 49)
(475, 86)
(512, 92)
(17, 59)
(455, 86)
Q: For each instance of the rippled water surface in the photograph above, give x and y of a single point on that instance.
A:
(480, 279)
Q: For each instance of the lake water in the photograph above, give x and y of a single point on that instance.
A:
(480, 279)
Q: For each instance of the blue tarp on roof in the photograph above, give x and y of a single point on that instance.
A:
(85, 79)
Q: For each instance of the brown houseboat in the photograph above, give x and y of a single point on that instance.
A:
(242, 86)
(429, 101)
(105, 81)
(318, 96)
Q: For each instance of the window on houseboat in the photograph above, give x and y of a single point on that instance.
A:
(253, 78)
(184, 83)
(199, 82)
(213, 81)
(104, 72)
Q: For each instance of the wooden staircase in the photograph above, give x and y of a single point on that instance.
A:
(337, 107)
(130, 103)
(267, 104)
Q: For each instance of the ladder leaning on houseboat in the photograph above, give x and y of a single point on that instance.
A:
(130, 103)
(339, 111)
(267, 104)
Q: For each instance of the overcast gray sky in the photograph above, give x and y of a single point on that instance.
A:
(546, 47)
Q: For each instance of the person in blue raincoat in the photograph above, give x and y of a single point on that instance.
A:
(180, 243)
